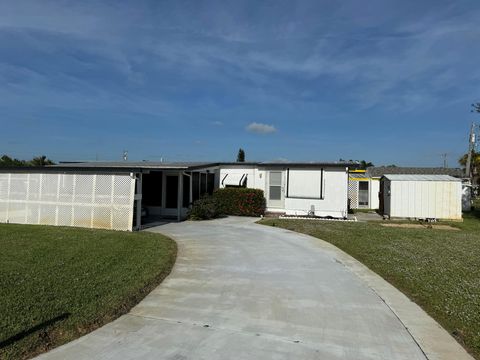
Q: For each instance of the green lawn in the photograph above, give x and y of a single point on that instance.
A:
(59, 283)
(438, 269)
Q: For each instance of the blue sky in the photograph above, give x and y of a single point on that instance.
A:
(386, 81)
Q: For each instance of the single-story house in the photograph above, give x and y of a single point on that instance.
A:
(114, 195)
(421, 196)
(319, 189)
(364, 185)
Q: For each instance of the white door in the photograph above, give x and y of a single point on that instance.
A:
(276, 196)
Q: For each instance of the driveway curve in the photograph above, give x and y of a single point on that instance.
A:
(245, 291)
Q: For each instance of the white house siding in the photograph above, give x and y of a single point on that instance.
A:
(84, 200)
(334, 195)
(374, 188)
(306, 199)
(424, 199)
(231, 175)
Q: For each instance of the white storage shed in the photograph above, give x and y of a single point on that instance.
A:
(421, 196)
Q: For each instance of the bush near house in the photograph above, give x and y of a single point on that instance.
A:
(240, 201)
(204, 208)
(229, 201)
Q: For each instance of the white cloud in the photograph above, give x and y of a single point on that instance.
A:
(419, 54)
(217, 123)
(260, 128)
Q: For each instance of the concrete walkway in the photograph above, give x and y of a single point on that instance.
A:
(245, 291)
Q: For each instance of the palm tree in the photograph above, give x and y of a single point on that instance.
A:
(475, 162)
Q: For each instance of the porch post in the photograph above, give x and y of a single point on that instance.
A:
(138, 199)
(180, 196)
(191, 189)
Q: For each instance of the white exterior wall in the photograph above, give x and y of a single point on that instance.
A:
(103, 201)
(335, 190)
(335, 197)
(424, 199)
(374, 188)
(255, 177)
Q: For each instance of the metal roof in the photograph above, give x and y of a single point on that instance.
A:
(134, 165)
(190, 165)
(139, 166)
(307, 164)
(358, 176)
(384, 170)
(398, 177)
(290, 164)
(108, 167)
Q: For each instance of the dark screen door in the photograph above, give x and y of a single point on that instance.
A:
(171, 196)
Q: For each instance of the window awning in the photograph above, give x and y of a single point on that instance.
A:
(233, 179)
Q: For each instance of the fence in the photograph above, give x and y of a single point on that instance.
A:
(83, 200)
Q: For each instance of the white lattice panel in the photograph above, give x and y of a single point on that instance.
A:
(34, 187)
(4, 185)
(353, 193)
(64, 215)
(32, 213)
(93, 201)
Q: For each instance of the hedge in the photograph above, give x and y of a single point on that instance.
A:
(240, 201)
(204, 208)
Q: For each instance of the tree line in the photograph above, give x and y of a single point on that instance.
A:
(42, 160)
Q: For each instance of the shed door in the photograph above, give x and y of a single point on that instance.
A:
(276, 196)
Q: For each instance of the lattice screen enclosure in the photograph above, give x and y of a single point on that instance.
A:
(353, 193)
(83, 200)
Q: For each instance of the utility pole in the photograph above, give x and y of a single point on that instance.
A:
(471, 148)
(445, 164)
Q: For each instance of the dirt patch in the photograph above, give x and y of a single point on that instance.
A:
(422, 226)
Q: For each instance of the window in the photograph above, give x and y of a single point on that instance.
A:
(152, 189)
(171, 196)
(305, 184)
(186, 191)
(203, 184)
(195, 186)
(210, 183)
(363, 193)
(275, 183)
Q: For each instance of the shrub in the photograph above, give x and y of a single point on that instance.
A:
(240, 201)
(204, 208)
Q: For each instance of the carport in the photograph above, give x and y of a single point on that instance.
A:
(168, 192)
(107, 195)
(162, 190)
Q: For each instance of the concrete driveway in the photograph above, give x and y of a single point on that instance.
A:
(245, 291)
